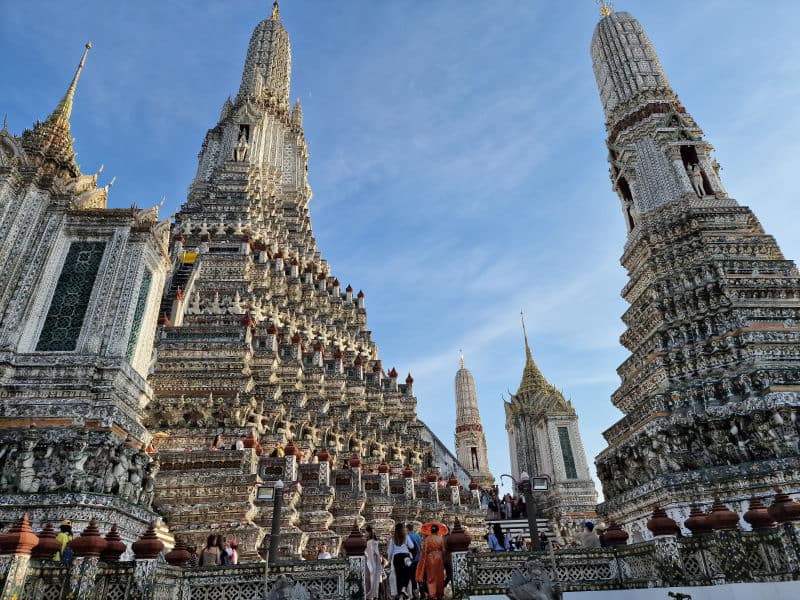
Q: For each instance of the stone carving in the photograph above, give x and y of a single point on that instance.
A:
(194, 307)
(214, 307)
(235, 307)
(41, 462)
(533, 584)
(286, 590)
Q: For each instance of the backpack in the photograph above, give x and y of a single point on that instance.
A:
(67, 556)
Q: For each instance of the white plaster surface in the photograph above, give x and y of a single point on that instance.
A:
(785, 590)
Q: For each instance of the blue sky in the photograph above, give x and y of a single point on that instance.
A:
(457, 155)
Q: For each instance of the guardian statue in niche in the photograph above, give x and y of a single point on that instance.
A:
(242, 146)
(696, 177)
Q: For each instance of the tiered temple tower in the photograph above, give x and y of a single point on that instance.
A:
(79, 296)
(544, 439)
(712, 387)
(261, 343)
(470, 439)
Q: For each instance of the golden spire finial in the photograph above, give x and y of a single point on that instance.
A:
(528, 354)
(64, 108)
(605, 7)
(276, 11)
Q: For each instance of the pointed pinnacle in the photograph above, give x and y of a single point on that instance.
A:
(64, 109)
(528, 354)
(605, 8)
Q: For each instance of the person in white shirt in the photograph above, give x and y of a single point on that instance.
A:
(588, 538)
(401, 551)
(323, 552)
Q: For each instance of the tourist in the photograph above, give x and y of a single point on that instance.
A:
(448, 560)
(64, 537)
(223, 555)
(239, 444)
(508, 503)
(234, 552)
(374, 564)
(323, 553)
(431, 564)
(494, 508)
(543, 540)
(415, 556)
(210, 554)
(498, 542)
(401, 550)
(217, 444)
(588, 538)
(231, 554)
(522, 509)
(224, 552)
(194, 556)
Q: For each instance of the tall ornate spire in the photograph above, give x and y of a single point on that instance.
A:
(532, 378)
(700, 331)
(536, 416)
(470, 440)
(656, 150)
(268, 66)
(53, 138)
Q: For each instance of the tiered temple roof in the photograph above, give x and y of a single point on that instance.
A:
(260, 342)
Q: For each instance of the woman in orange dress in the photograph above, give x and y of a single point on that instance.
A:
(431, 565)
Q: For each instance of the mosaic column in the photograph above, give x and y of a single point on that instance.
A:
(13, 568)
(144, 577)
(82, 576)
(669, 566)
(19, 542)
(461, 583)
(356, 577)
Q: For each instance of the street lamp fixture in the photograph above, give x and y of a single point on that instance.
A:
(275, 531)
(527, 486)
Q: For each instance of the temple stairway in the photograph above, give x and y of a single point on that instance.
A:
(179, 281)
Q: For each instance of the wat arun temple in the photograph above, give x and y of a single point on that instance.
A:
(264, 371)
(184, 373)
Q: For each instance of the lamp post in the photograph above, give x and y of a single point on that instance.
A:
(275, 532)
(526, 486)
